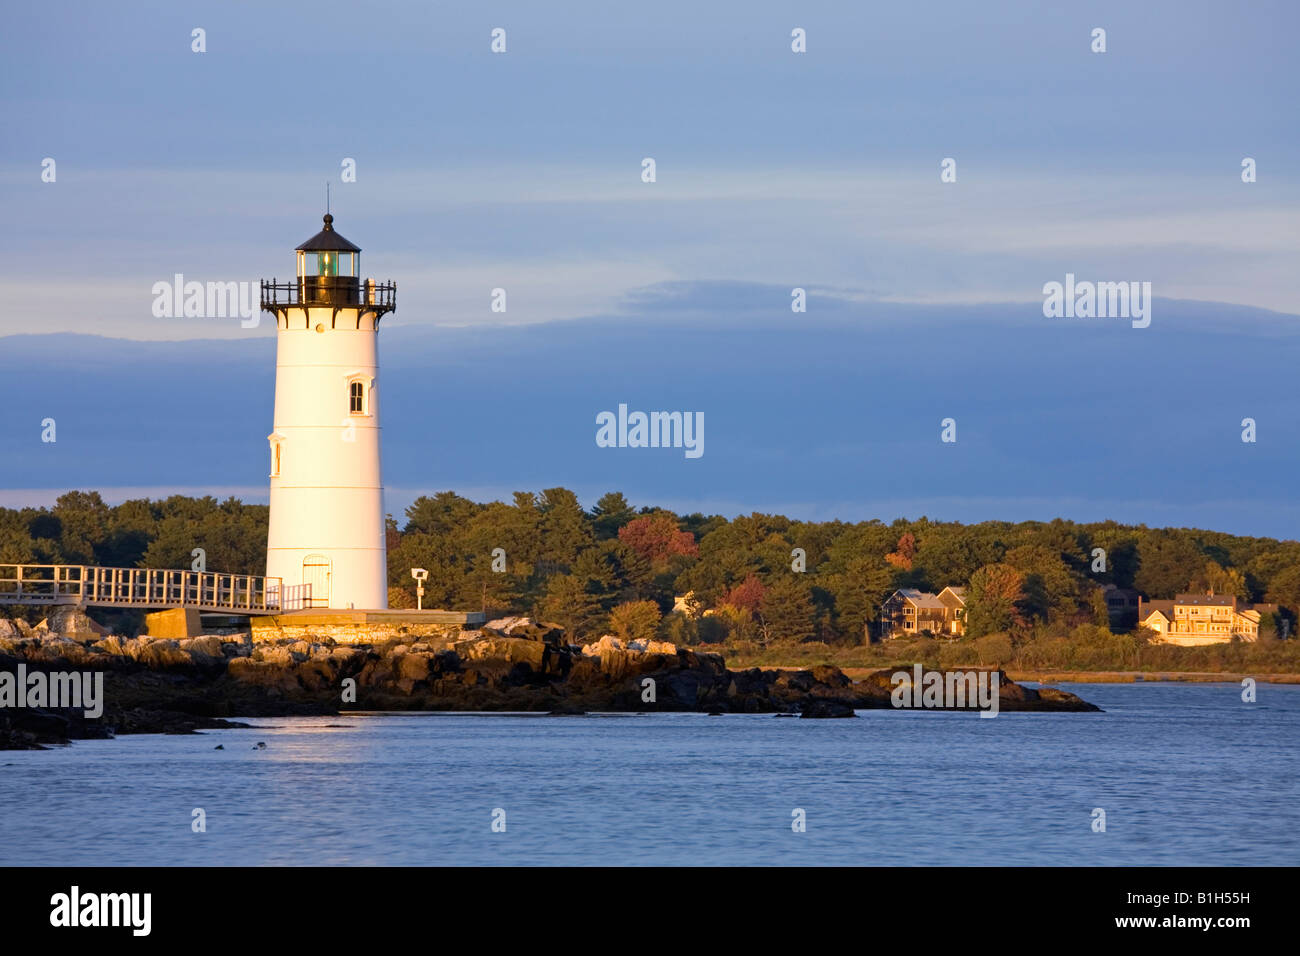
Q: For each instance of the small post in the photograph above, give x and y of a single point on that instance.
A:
(420, 576)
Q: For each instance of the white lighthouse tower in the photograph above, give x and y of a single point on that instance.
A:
(327, 538)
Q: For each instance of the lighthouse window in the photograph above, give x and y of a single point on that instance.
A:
(357, 397)
(327, 263)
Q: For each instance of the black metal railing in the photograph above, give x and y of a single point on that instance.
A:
(343, 292)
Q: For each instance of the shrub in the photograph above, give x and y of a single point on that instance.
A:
(635, 620)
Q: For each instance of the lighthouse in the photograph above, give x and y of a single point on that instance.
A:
(326, 540)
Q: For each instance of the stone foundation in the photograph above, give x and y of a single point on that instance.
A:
(363, 627)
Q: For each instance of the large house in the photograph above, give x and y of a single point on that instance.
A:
(1193, 619)
(909, 611)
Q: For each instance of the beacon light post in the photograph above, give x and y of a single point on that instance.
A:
(420, 576)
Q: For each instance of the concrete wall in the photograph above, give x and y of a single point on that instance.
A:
(175, 624)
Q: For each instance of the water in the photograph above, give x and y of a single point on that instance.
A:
(1187, 774)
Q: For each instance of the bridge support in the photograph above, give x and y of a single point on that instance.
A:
(174, 624)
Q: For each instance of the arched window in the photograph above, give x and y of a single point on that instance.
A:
(276, 441)
(360, 386)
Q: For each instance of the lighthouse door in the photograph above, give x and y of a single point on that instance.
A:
(316, 572)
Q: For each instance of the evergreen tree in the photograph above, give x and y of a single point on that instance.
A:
(993, 599)
(787, 612)
(610, 513)
(570, 605)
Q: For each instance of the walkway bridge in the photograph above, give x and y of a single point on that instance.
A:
(148, 589)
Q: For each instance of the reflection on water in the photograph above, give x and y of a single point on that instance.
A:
(1186, 773)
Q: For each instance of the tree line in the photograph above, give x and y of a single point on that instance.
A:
(621, 569)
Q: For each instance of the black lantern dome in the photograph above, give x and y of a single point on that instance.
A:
(328, 271)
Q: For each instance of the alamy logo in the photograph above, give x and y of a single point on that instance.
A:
(1102, 300)
(946, 690)
(653, 430)
(211, 300)
(102, 909)
(82, 690)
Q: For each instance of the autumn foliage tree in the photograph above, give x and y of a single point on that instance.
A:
(657, 538)
(906, 553)
(747, 595)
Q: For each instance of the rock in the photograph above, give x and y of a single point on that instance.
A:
(823, 707)
(114, 645)
(204, 651)
(526, 628)
(830, 676)
(158, 655)
(607, 643)
(509, 649)
(272, 654)
(71, 621)
(237, 645)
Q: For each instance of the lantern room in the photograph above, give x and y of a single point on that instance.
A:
(328, 276)
(328, 267)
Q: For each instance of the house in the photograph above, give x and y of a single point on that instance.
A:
(1194, 619)
(954, 601)
(909, 611)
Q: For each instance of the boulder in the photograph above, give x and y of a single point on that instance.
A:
(526, 628)
(205, 651)
(72, 621)
(13, 629)
(603, 646)
(509, 649)
(158, 655)
(823, 707)
(830, 676)
(116, 646)
(237, 645)
(275, 654)
(414, 667)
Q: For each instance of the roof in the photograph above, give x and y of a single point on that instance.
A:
(958, 593)
(921, 598)
(327, 240)
(1218, 600)
(1150, 607)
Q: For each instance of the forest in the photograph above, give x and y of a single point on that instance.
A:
(761, 584)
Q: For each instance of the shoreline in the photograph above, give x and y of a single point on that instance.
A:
(1101, 677)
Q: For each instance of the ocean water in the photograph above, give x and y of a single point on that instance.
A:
(1186, 774)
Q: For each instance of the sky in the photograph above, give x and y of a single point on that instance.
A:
(774, 170)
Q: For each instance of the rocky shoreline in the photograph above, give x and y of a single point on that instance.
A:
(514, 664)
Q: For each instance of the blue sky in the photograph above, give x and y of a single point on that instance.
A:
(775, 170)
